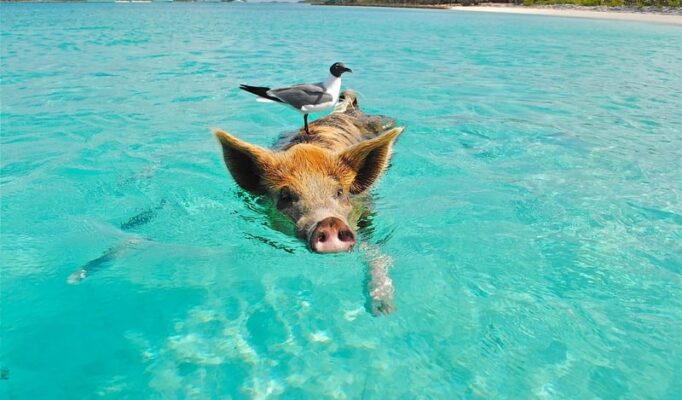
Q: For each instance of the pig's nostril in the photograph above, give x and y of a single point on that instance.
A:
(346, 235)
(331, 235)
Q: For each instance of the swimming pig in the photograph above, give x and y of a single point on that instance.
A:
(318, 179)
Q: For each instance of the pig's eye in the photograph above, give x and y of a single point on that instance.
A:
(339, 193)
(286, 197)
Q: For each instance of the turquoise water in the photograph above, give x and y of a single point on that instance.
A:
(533, 210)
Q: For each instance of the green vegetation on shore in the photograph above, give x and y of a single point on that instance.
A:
(444, 3)
(607, 3)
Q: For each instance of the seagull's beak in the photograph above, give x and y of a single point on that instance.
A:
(347, 69)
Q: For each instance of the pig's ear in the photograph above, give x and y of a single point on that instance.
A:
(246, 162)
(369, 159)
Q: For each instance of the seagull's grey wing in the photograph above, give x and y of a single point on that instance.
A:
(302, 95)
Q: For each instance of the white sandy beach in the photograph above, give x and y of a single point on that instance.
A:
(575, 13)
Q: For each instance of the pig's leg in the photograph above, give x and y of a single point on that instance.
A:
(112, 253)
(102, 261)
(379, 284)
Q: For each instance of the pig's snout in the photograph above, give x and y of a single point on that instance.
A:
(331, 235)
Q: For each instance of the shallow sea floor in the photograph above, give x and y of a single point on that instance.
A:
(533, 210)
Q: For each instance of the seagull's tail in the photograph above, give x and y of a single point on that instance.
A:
(261, 92)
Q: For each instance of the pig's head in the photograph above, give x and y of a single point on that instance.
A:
(309, 184)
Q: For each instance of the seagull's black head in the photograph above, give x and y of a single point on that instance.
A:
(338, 68)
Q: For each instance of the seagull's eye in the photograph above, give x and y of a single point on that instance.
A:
(286, 197)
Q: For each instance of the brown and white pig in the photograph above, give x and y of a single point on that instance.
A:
(319, 179)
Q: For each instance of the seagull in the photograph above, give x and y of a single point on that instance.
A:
(305, 98)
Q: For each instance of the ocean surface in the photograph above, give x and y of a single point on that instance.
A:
(533, 209)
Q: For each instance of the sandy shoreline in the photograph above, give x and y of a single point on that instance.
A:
(666, 15)
(576, 13)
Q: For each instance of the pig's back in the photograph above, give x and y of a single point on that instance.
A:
(345, 126)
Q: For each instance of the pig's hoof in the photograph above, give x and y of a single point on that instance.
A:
(382, 306)
(77, 276)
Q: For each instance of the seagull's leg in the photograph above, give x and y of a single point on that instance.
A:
(305, 122)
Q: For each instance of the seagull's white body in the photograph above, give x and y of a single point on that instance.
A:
(305, 98)
(331, 85)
